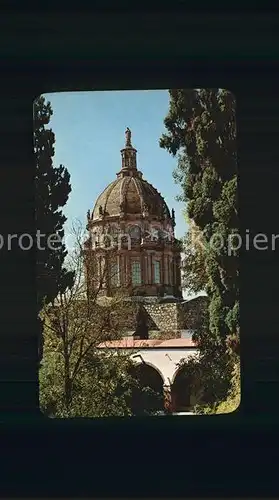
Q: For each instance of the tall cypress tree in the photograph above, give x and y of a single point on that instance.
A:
(201, 131)
(52, 189)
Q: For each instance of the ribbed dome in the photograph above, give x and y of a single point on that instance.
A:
(130, 194)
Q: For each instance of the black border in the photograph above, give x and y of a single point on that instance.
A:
(223, 455)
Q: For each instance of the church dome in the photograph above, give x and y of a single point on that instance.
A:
(132, 219)
(130, 194)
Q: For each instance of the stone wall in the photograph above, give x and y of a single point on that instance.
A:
(165, 316)
(128, 321)
(164, 320)
(189, 312)
(174, 317)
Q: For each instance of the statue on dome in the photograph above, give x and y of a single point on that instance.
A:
(88, 215)
(128, 135)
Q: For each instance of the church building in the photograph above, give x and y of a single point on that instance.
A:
(132, 247)
(131, 243)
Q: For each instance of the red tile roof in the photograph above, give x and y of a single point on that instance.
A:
(130, 343)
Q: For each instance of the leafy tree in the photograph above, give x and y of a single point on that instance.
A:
(100, 387)
(74, 325)
(52, 189)
(201, 131)
(79, 376)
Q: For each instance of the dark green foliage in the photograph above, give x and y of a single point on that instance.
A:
(194, 271)
(104, 387)
(147, 394)
(52, 188)
(101, 387)
(201, 131)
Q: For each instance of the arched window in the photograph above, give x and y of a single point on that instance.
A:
(135, 232)
(157, 272)
(136, 273)
(101, 271)
(114, 276)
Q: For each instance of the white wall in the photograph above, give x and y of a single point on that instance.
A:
(164, 360)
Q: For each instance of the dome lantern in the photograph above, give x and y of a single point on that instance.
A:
(129, 156)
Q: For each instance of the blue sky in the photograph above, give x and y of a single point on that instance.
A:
(90, 131)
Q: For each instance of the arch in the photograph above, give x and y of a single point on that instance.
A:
(152, 366)
(147, 395)
(181, 391)
(176, 373)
